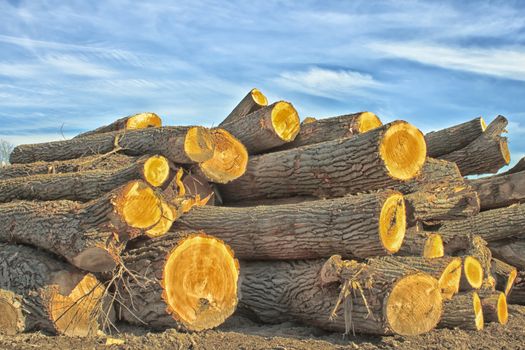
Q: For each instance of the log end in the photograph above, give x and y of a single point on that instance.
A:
(229, 160)
(510, 281)
(143, 120)
(414, 306)
(12, 320)
(403, 150)
(504, 147)
(169, 215)
(259, 98)
(156, 170)
(138, 205)
(200, 282)
(483, 124)
(502, 308)
(285, 121)
(308, 120)
(77, 313)
(478, 311)
(392, 222)
(367, 121)
(198, 144)
(450, 279)
(434, 247)
(473, 272)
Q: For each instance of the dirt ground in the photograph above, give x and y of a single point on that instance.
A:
(240, 333)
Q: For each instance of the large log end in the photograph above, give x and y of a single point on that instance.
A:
(143, 120)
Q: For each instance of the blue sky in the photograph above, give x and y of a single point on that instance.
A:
(69, 66)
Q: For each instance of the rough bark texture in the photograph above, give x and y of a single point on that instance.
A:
(519, 167)
(247, 105)
(414, 242)
(511, 251)
(487, 154)
(433, 171)
(256, 130)
(348, 226)
(489, 303)
(459, 312)
(79, 186)
(28, 280)
(517, 294)
(98, 162)
(121, 124)
(503, 272)
(166, 141)
(325, 169)
(500, 191)
(326, 129)
(450, 139)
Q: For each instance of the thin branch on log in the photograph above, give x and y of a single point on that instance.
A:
(252, 102)
(451, 139)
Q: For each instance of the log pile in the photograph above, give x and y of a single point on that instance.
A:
(343, 223)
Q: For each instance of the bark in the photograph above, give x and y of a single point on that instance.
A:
(78, 186)
(308, 291)
(98, 162)
(181, 280)
(433, 171)
(500, 191)
(349, 226)
(334, 128)
(38, 292)
(451, 139)
(487, 154)
(517, 294)
(89, 236)
(504, 274)
(263, 129)
(329, 169)
(461, 312)
(136, 121)
(519, 167)
(414, 242)
(252, 102)
(170, 142)
(511, 251)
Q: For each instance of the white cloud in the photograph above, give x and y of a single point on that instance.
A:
(326, 83)
(507, 62)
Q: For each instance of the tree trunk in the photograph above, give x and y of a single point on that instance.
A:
(500, 191)
(451, 139)
(98, 162)
(463, 311)
(397, 301)
(90, 235)
(380, 158)
(511, 251)
(84, 186)
(517, 294)
(265, 128)
(487, 154)
(504, 274)
(38, 292)
(252, 102)
(495, 308)
(359, 226)
(183, 145)
(132, 122)
(334, 128)
(181, 280)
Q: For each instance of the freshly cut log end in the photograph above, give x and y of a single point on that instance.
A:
(450, 279)
(259, 98)
(138, 205)
(434, 247)
(156, 170)
(414, 305)
(72, 314)
(200, 282)
(403, 150)
(510, 282)
(392, 222)
(285, 121)
(502, 309)
(168, 216)
(504, 146)
(143, 120)
(308, 120)
(478, 311)
(229, 160)
(472, 273)
(199, 144)
(367, 121)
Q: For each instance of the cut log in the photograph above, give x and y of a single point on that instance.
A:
(359, 226)
(87, 185)
(472, 276)
(495, 308)
(181, 280)
(266, 128)
(380, 158)
(517, 294)
(229, 159)
(90, 235)
(519, 167)
(182, 145)
(451, 139)
(504, 274)
(487, 154)
(387, 299)
(253, 101)
(38, 292)
(190, 185)
(478, 249)
(418, 242)
(98, 162)
(500, 191)
(132, 122)
(463, 311)
(334, 128)
(511, 251)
